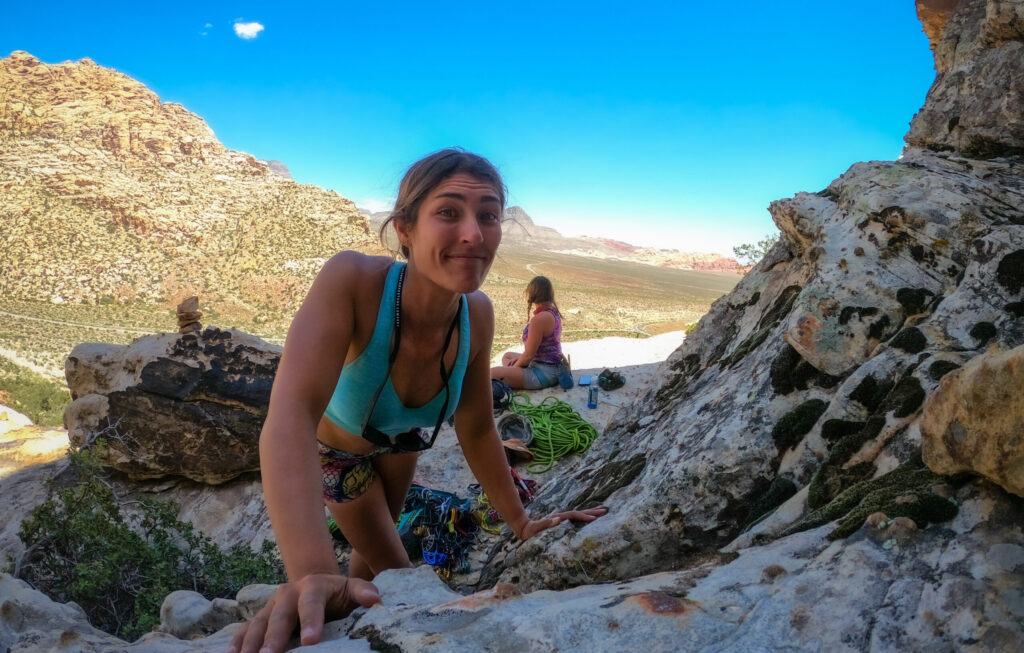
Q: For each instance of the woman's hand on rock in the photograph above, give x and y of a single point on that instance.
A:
(305, 603)
(535, 526)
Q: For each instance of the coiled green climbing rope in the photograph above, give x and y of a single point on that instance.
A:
(558, 430)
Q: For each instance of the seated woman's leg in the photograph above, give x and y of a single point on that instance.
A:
(512, 376)
(368, 522)
(510, 357)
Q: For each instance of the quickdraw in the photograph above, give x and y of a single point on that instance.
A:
(439, 527)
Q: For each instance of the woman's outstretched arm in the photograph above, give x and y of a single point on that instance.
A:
(481, 444)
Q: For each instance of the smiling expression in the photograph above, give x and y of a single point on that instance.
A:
(456, 233)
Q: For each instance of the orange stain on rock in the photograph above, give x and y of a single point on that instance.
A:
(497, 594)
(662, 603)
(806, 330)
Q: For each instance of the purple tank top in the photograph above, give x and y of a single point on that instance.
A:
(550, 349)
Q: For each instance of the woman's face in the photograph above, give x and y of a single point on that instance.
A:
(456, 234)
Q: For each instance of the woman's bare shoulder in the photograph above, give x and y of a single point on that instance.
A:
(481, 316)
(543, 318)
(480, 304)
(348, 279)
(353, 265)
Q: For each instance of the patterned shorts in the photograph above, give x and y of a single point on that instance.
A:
(346, 475)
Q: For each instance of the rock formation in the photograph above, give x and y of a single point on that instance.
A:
(975, 420)
(189, 315)
(812, 373)
(769, 492)
(108, 193)
(187, 405)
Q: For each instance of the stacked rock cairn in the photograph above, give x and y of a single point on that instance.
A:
(188, 316)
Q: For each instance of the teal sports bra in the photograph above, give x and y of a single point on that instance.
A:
(360, 379)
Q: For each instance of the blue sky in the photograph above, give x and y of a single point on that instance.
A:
(656, 123)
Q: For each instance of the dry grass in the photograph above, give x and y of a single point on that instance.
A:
(597, 297)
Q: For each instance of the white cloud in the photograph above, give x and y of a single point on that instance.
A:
(248, 30)
(375, 205)
(208, 25)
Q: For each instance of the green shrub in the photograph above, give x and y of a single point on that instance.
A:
(39, 398)
(751, 253)
(81, 547)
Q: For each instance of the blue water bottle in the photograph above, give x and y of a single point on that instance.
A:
(592, 396)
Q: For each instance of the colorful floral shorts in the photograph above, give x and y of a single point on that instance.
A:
(346, 475)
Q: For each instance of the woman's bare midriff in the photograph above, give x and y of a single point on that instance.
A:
(338, 438)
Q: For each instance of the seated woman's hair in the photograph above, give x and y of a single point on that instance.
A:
(539, 291)
(425, 175)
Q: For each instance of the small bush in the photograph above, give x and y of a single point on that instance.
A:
(751, 253)
(81, 547)
(39, 398)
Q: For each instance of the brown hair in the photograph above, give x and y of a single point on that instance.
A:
(539, 291)
(425, 175)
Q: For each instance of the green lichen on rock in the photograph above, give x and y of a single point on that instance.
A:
(791, 428)
(778, 492)
(611, 477)
(686, 370)
(904, 492)
(914, 300)
(910, 340)
(723, 344)
(780, 308)
(982, 332)
(834, 430)
(1010, 271)
(870, 392)
(831, 478)
(789, 371)
(902, 399)
(906, 397)
(940, 369)
(747, 346)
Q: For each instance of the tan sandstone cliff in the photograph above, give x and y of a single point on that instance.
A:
(107, 192)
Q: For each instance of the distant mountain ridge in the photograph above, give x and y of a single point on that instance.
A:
(107, 193)
(521, 231)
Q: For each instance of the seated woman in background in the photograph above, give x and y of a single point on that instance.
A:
(541, 360)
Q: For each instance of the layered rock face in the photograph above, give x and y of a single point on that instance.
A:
(809, 379)
(107, 192)
(189, 405)
(974, 105)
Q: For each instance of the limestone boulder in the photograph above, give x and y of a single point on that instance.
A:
(810, 376)
(974, 105)
(188, 405)
(190, 615)
(975, 420)
(890, 587)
